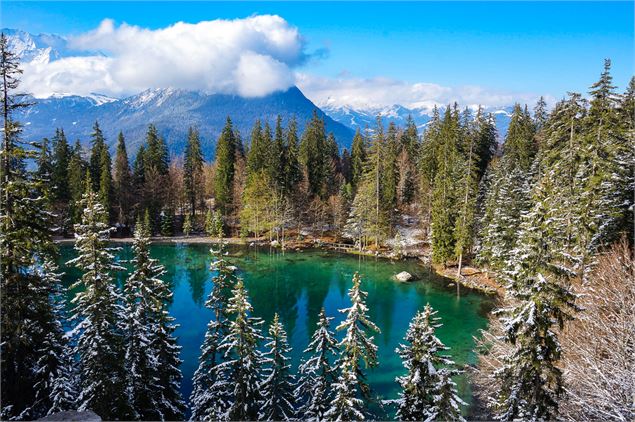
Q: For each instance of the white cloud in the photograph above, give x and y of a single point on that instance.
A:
(251, 57)
(370, 93)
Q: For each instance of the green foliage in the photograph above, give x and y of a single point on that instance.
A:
(193, 168)
(358, 352)
(25, 240)
(122, 183)
(427, 390)
(312, 155)
(225, 167)
(187, 225)
(100, 342)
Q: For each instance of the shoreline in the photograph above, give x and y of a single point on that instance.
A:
(472, 278)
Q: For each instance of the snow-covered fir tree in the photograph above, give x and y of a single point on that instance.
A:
(530, 379)
(100, 315)
(56, 385)
(211, 390)
(317, 373)
(25, 243)
(242, 359)
(278, 384)
(140, 361)
(428, 392)
(163, 343)
(152, 355)
(352, 393)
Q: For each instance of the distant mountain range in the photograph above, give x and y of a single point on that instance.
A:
(173, 111)
(360, 118)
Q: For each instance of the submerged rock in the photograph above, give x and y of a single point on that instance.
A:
(86, 415)
(403, 276)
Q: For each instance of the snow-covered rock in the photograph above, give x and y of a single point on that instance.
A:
(403, 276)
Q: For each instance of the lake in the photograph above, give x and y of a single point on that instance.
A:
(298, 284)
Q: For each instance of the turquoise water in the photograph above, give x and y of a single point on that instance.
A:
(298, 284)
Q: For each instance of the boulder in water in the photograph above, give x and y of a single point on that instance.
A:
(403, 276)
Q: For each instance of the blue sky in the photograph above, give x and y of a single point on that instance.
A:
(521, 47)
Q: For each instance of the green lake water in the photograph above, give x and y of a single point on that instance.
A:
(297, 285)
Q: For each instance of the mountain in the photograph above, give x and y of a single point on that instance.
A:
(172, 111)
(360, 118)
(41, 48)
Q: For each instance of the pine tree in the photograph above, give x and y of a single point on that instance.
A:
(278, 156)
(187, 225)
(152, 354)
(468, 191)
(193, 168)
(122, 182)
(98, 146)
(98, 308)
(278, 383)
(259, 149)
(312, 155)
(210, 228)
(317, 373)
(225, 167)
(427, 390)
(530, 379)
(59, 176)
(444, 189)
(211, 391)
(243, 360)
(292, 169)
(25, 242)
(139, 358)
(105, 183)
(358, 158)
(56, 379)
(76, 172)
(44, 161)
(351, 390)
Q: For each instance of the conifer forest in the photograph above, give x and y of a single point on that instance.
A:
(538, 217)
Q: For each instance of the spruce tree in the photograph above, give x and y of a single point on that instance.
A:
(76, 173)
(292, 168)
(530, 379)
(358, 158)
(105, 183)
(56, 378)
(98, 146)
(243, 360)
(61, 155)
(317, 373)
(152, 354)
(278, 156)
(98, 310)
(122, 183)
(187, 225)
(211, 391)
(312, 155)
(140, 361)
(278, 384)
(352, 392)
(427, 390)
(193, 169)
(445, 187)
(25, 242)
(225, 167)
